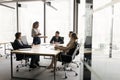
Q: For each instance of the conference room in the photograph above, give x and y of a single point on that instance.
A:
(95, 30)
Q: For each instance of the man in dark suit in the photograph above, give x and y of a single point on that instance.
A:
(57, 39)
(18, 44)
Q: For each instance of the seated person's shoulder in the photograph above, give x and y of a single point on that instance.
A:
(15, 41)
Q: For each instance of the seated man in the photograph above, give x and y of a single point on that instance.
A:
(18, 44)
(68, 50)
(57, 38)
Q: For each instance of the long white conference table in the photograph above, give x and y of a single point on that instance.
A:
(42, 50)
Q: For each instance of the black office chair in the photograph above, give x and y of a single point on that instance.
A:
(62, 39)
(21, 58)
(77, 63)
(67, 59)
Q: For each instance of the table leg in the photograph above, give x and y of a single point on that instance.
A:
(11, 66)
(5, 50)
(54, 67)
(0, 54)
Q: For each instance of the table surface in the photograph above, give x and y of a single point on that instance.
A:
(42, 49)
(4, 42)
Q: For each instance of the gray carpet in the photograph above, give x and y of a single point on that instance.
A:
(38, 73)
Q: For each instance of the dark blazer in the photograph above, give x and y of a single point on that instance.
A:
(16, 45)
(60, 40)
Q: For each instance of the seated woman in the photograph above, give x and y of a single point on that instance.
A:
(57, 38)
(18, 44)
(68, 50)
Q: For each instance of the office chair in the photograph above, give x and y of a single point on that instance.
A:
(21, 58)
(24, 40)
(67, 59)
(62, 39)
(8, 48)
(77, 63)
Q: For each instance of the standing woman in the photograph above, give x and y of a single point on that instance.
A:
(36, 39)
(35, 33)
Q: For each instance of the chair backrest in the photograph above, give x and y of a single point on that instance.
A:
(19, 57)
(62, 39)
(76, 51)
(24, 40)
(12, 44)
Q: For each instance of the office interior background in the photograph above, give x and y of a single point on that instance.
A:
(98, 19)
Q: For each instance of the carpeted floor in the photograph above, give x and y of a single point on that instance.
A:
(39, 73)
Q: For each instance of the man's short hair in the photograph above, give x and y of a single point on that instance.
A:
(57, 32)
(17, 35)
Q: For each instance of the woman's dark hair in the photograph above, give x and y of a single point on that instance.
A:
(35, 23)
(17, 35)
(74, 35)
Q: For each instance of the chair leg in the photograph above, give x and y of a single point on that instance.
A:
(65, 68)
(22, 65)
(76, 64)
(70, 69)
(74, 72)
(65, 71)
(18, 67)
(0, 55)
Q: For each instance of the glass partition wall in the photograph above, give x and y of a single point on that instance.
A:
(59, 19)
(7, 22)
(7, 25)
(28, 13)
(106, 40)
(31, 11)
(102, 25)
(116, 32)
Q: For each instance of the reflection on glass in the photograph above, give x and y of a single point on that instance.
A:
(103, 67)
(102, 26)
(116, 32)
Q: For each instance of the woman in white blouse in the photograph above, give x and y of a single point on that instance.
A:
(36, 33)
